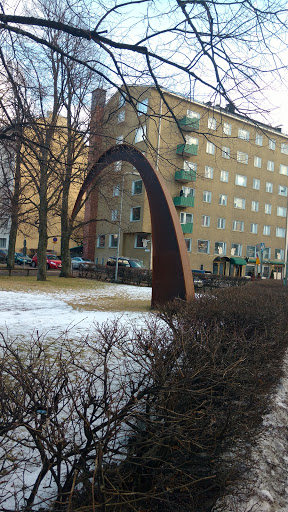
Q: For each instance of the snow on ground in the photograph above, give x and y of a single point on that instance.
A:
(51, 315)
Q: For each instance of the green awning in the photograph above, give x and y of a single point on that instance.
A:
(238, 261)
(277, 262)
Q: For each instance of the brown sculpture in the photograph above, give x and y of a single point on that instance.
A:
(172, 276)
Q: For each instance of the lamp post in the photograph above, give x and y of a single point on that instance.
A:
(286, 250)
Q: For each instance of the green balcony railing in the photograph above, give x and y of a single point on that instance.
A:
(187, 228)
(189, 124)
(187, 149)
(183, 201)
(185, 176)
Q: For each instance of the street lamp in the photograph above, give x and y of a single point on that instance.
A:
(120, 220)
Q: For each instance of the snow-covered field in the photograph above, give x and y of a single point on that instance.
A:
(51, 314)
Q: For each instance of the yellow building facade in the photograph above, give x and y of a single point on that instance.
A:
(227, 175)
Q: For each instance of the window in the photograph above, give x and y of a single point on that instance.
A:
(239, 203)
(267, 253)
(281, 211)
(269, 187)
(268, 209)
(192, 141)
(207, 196)
(114, 214)
(272, 144)
(188, 242)
(236, 249)
(220, 248)
(242, 158)
(280, 232)
(186, 218)
(283, 169)
(243, 134)
(227, 128)
(284, 148)
(113, 241)
(253, 228)
(221, 222)
(225, 152)
(241, 180)
(212, 123)
(279, 254)
(187, 192)
(118, 166)
(238, 225)
(189, 166)
(119, 139)
(142, 107)
(139, 241)
(210, 148)
(116, 191)
(208, 172)
(255, 206)
(266, 230)
(203, 246)
(100, 241)
(259, 139)
(121, 116)
(270, 165)
(137, 187)
(122, 100)
(251, 251)
(135, 213)
(282, 191)
(224, 176)
(223, 199)
(257, 162)
(3, 243)
(256, 184)
(192, 114)
(140, 133)
(205, 221)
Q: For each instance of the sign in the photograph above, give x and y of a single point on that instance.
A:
(54, 240)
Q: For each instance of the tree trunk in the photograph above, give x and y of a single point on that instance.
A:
(15, 207)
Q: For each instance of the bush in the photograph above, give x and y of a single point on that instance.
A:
(159, 418)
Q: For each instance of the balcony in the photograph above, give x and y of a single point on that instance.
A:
(184, 176)
(189, 124)
(187, 228)
(187, 149)
(183, 201)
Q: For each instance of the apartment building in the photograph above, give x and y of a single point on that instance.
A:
(227, 175)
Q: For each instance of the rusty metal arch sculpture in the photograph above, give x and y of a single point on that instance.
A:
(172, 276)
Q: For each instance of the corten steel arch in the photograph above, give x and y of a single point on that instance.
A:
(172, 276)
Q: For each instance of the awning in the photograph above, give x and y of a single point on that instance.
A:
(238, 261)
(276, 262)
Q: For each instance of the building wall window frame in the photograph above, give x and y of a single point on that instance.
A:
(221, 223)
(189, 166)
(210, 148)
(270, 165)
(269, 187)
(140, 134)
(242, 158)
(266, 230)
(240, 180)
(239, 202)
(281, 211)
(114, 215)
(259, 139)
(257, 162)
(142, 107)
(225, 152)
(118, 166)
(188, 242)
(113, 241)
(251, 251)
(279, 254)
(224, 176)
(256, 184)
(236, 249)
(223, 199)
(227, 128)
(192, 114)
(282, 190)
(187, 192)
(138, 241)
(272, 144)
(121, 116)
(284, 148)
(122, 100)
(267, 253)
(238, 225)
(135, 213)
(253, 228)
(100, 241)
(186, 218)
(255, 206)
(116, 190)
(283, 169)
(207, 196)
(220, 248)
(280, 232)
(119, 139)
(208, 172)
(212, 123)
(190, 140)
(243, 134)
(203, 246)
(3, 243)
(268, 208)
(205, 223)
(137, 187)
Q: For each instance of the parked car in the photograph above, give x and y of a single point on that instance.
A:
(20, 259)
(3, 255)
(78, 263)
(53, 261)
(124, 262)
(198, 283)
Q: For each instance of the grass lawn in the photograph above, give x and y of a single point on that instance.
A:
(90, 294)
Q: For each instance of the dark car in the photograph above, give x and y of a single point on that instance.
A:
(53, 261)
(3, 256)
(20, 259)
(124, 262)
